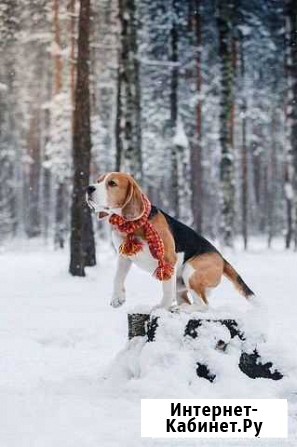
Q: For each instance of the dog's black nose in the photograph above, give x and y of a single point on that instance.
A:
(90, 189)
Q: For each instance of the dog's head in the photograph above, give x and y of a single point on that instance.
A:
(116, 193)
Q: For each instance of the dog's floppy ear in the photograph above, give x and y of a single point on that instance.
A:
(133, 207)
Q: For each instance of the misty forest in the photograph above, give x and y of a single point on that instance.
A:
(195, 98)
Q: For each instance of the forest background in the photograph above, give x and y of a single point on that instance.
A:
(195, 98)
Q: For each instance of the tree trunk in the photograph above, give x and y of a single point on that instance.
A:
(196, 148)
(82, 238)
(118, 123)
(174, 110)
(60, 214)
(72, 53)
(291, 122)
(60, 225)
(271, 179)
(89, 249)
(47, 178)
(128, 121)
(33, 228)
(226, 49)
(244, 160)
(57, 56)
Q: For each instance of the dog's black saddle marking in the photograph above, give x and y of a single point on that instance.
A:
(187, 241)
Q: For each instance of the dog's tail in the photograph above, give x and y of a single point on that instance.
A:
(236, 279)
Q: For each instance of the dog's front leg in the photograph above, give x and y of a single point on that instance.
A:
(119, 295)
(169, 292)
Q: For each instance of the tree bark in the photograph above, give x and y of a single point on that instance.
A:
(291, 122)
(174, 109)
(57, 56)
(33, 229)
(60, 225)
(82, 237)
(118, 123)
(72, 53)
(271, 179)
(196, 148)
(244, 160)
(128, 120)
(226, 49)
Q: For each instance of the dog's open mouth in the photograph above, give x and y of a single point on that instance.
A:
(94, 207)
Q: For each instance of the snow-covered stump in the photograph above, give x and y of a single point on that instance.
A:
(137, 325)
(146, 325)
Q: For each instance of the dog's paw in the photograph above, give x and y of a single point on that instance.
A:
(118, 299)
(117, 302)
(175, 308)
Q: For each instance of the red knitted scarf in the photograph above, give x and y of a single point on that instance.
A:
(132, 245)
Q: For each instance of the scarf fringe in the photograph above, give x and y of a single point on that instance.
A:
(164, 272)
(131, 246)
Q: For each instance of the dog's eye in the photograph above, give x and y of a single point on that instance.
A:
(112, 183)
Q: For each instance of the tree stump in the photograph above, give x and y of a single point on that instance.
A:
(137, 325)
(146, 325)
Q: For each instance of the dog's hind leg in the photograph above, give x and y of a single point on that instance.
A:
(196, 302)
(181, 292)
(199, 298)
(206, 274)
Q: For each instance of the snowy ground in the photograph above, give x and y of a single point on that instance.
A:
(63, 382)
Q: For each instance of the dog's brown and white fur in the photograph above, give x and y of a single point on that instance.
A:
(192, 280)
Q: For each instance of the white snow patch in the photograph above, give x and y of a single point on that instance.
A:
(180, 138)
(3, 87)
(69, 377)
(289, 192)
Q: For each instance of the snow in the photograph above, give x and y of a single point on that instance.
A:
(3, 87)
(68, 376)
(289, 192)
(245, 29)
(180, 138)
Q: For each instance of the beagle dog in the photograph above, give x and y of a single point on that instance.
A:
(198, 266)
